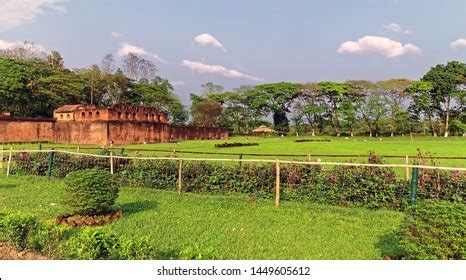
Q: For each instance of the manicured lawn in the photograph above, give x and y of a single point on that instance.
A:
(440, 146)
(234, 226)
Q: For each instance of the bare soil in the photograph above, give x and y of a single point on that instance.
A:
(8, 252)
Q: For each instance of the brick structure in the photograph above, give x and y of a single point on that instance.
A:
(88, 124)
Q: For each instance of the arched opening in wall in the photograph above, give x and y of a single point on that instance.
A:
(126, 115)
(83, 115)
(153, 117)
(90, 115)
(119, 115)
(134, 115)
(147, 116)
(61, 116)
(97, 115)
(158, 118)
(67, 116)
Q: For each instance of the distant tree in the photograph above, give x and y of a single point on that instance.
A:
(373, 109)
(95, 83)
(211, 88)
(310, 105)
(276, 99)
(335, 94)
(206, 113)
(423, 102)
(55, 60)
(23, 51)
(107, 65)
(446, 81)
(131, 65)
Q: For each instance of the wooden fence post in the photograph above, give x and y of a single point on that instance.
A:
(1, 156)
(407, 168)
(9, 162)
(180, 164)
(277, 183)
(308, 157)
(111, 162)
(174, 152)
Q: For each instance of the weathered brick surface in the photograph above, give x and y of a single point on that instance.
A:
(101, 132)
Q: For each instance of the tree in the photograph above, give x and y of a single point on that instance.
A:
(276, 99)
(107, 65)
(211, 88)
(206, 113)
(335, 94)
(95, 83)
(55, 60)
(394, 91)
(131, 64)
(423, 101)
(310, 105)
(373, 108)
(446, 81)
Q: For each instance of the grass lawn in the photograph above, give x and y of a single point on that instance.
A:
(439, 146)
(233, 226)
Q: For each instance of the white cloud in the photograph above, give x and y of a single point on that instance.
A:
(458, 43)
(395, 27)
(14, 13)
(126, 48)
(38, 48)
(115, 34)
(217, 69)
(379, 45)
(207, 39)
(177, 83)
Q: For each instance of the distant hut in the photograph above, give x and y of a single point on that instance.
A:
(263, 130)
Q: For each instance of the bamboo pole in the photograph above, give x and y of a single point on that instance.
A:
(1, 157)
(407, 168)
(111, 162)
(277, 184)
(180, 164)
(9, 162)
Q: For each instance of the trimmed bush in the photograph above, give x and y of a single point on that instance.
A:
(90, 192)
(135, 249)
(17, 228)
(434, 230)
(92, 244)
(197, 253)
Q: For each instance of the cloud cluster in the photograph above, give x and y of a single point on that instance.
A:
(14, 13)
(126, 48)
(115, 34)
(217, 69)
(395, 27)
(207, 39)
(38, 48)
(458, 43)
(379, 45)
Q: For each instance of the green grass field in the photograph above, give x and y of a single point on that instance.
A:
(235, 227)
(438, 146)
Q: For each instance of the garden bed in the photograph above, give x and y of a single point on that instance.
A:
(230, 145)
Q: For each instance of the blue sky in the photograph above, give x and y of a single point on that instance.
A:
(247, 42)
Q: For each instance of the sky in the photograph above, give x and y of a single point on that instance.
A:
(247, 42)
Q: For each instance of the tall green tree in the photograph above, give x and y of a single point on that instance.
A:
(423, 102)
(274, 98)
(335, 94)
(446, 81)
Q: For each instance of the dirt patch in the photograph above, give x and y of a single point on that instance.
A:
(8, 252)
(80, 220)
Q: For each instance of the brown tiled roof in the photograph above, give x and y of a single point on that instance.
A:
(72, 108)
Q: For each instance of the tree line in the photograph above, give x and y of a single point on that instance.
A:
(433, 105)
(33, 83)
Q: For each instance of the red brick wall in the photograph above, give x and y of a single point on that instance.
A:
(101, 132)
(26, 130)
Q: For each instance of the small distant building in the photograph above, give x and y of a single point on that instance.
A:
(118, 112)
(263, 130)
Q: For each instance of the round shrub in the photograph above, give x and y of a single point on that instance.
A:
(92, 244)
(434, 230)
(90, 192)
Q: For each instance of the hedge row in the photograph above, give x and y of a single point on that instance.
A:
(26, 232)
(371, 187)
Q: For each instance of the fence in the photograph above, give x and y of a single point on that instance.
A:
(111, 157)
